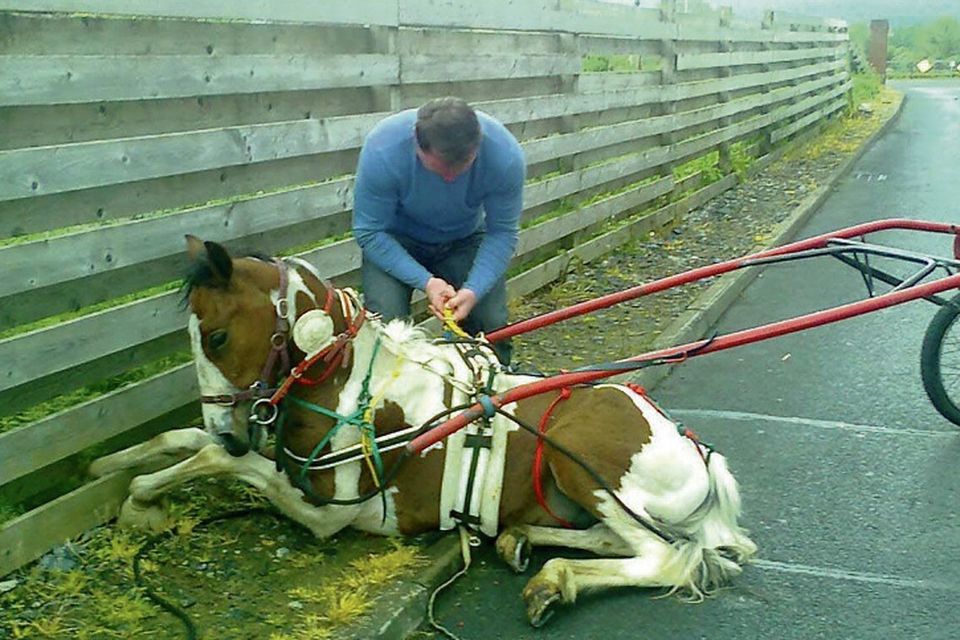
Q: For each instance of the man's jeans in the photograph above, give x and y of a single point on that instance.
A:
(451, 261)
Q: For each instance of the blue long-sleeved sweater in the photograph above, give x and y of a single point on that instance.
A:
(395, 194)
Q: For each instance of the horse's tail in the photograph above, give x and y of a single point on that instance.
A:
(712, 555)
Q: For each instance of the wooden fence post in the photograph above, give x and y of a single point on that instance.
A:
(725, 46)
(668, 81)
(766, 146)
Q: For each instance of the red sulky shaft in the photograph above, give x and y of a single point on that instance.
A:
(709, 271)
(702, 347)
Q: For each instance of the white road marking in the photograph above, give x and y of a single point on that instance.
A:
(854, 576)
(808, 422)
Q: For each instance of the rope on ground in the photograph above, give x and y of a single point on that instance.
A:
(190, 629)
(465, 552)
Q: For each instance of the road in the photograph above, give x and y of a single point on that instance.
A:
(850, 479)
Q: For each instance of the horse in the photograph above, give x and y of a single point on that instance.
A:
(603, 470)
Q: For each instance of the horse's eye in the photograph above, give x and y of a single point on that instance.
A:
(217, 339)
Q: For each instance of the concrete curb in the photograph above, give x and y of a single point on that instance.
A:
(403, 608)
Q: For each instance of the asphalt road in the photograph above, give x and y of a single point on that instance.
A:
(850, 479)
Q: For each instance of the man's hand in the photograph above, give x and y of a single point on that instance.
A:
(438, 291)
(462, 303)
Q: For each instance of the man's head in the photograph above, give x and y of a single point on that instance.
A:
(448, 135)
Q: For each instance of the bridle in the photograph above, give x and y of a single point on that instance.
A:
(261, 388)
(267, 395)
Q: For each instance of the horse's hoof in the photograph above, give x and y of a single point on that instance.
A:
(144, 516)
(515, 549)
(540, 598)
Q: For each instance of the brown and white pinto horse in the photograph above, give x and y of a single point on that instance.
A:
(633, 487)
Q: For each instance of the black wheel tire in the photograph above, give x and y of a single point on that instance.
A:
(944, 331)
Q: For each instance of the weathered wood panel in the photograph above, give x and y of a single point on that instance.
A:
(709, 60)
(375, 12)
(62, 79)
(28, 537)
(42, 443)
(47, 170)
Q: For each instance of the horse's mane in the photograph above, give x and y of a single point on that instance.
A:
(406, 340)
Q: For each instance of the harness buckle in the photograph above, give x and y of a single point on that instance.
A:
(283, 308)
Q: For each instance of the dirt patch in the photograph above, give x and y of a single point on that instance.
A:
(263, 577)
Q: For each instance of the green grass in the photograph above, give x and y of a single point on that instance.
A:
(866, 87)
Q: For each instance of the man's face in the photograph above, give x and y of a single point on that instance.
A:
(439, 166)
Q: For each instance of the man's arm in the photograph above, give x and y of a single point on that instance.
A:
(375, 198)
(502, 208)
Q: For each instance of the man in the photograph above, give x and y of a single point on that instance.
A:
(437, 205)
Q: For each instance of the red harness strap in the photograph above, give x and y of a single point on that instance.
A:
(685, 432)
(538, 459)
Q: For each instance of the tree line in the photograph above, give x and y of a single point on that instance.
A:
(937, 41)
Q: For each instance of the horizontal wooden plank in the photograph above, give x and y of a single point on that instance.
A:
(736, 34)
(434, 68)
(572, 16)
(54, 260)
(46, 170)
(37, 445)
(368, 12)
(29, 536)
(63, 79)
(538, 235)
(606, 82)
(61, 347)
(687, 61)
(786, 19)
(837, 103)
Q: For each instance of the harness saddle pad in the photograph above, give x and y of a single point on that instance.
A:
(473, 476)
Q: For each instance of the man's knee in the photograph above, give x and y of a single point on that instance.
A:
(384, 294)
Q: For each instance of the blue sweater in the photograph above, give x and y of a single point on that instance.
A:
(395, 194)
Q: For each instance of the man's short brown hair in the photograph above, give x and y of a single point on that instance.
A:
(449, 128)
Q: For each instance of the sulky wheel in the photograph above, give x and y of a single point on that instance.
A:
(940, 360)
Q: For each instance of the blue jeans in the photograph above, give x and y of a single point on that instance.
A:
(450, 261)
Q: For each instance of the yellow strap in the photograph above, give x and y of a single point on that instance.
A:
(451, 324)
(365, 441)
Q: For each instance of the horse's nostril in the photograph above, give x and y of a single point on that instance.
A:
(234, 445)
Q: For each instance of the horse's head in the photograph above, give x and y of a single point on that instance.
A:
(234, 325)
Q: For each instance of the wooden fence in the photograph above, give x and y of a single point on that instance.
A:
(125, 124)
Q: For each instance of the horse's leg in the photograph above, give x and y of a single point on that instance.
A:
(176, 443)
(561, 579)
(255, 470)
(514, 543)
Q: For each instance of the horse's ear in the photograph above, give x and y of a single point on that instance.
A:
(195, 248)
(221, 264)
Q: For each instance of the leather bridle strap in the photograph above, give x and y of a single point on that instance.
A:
(278, 351)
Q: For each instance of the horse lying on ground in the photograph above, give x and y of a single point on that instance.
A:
(615, 476)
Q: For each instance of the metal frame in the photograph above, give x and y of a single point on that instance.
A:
(838, 244)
